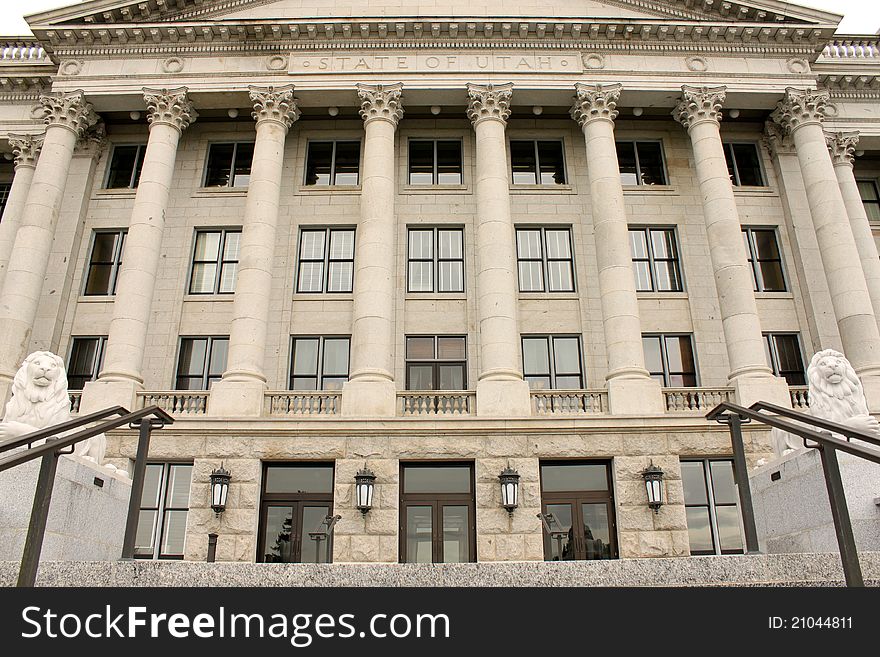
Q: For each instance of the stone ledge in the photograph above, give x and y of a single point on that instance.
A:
(752, 570)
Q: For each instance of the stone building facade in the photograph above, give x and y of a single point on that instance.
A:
(496, 235)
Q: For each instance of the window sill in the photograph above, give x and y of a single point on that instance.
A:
(654, 190)
(224, 191)
(774, 295)
(323, 296)
(661, 295)
(435, 189)
(541, 189)
(548, 296)
(96, 298)
(436, 296)
(115, 193)
(209, 297)
(754, 191)
(319, 190)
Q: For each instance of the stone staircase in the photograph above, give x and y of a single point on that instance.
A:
(736, 570)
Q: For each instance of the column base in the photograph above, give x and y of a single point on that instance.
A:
(104, 393)
(750, 389)
(503, 398)
(230, 398)
(871, 385)
(5, 393)
(369, 398)
(635, 396)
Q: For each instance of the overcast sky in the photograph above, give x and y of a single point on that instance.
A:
(861, 16)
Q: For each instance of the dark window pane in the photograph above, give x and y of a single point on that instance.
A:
(522, 159)
(651, 163)
(536, 356)
(456, 533)
(121, 167)
(348, 160)
(729, 533)
(312, 519)
(335, 357)
(765, 245)
(420, 377)
(450, 348)
(277, 535)
(299, 479)
(430, 479)
(772, 279)
(626, 161)
(318, 163)
(552, 167)
(421, 162)
(575, 477)
(561, 550)
(748, 164)
(667, 276)
(680, 354)
(219, 165)
(244, 155)
(451, 377)
(305, 357)
(567, 357)
(419, 534)
(699, 530)
(597, 534)
(653, 354)
(788, 353)
(728, 157)
(420, 348)
(98, 281)
(219, 352)
(868, 190)
(723, 482)
(694, 481)
(449, 163)
(192, 357)
(83, 362)
(663, 244)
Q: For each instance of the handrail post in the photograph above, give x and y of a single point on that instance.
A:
(33, 546)
(212, 548)
(741, 472)
(145, 427)
(846, 542)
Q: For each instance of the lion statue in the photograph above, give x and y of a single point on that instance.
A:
(40, 400)
(835, 394)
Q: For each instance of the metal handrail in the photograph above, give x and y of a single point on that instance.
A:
(822, 423)
(48, 432)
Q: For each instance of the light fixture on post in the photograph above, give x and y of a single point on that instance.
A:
(364, 484)
(219, 489)
(653, 477)
(509, 479)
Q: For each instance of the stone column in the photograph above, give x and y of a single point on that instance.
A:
(370, 390)
(631, 390)
(169, 113)
(501, 390)
(68, 116)
(699, 111)
(26, 149)
(801, 113)
(842, 146)
(240, 391)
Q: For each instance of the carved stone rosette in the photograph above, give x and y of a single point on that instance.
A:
(842, 146)
(381, 101)
(595, 101)
(699, 104)
(274, 104)
(489, 101)
(169, 107)
(68, 110)
(800, 107)
(26, 149)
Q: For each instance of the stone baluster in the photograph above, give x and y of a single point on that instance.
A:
(26, 149)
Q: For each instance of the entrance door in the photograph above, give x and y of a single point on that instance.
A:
(578, 497)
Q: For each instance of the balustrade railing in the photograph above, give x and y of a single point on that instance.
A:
(177, 402)
(290, 402)
(686, 400)
(75, 398)
(23, 50)
(457, 402)
(560, 402)
(855, 48)
(800, 397)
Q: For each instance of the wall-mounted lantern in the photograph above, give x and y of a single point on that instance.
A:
(509, 479)
(219, 489)
(364, 483)
(653, 476)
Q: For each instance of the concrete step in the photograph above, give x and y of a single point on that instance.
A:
(736, 570)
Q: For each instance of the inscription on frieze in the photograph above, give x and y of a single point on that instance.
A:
(323, 62)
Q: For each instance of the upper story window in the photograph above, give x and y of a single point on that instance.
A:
(783, 351)
(435, 162)
(641, 163)
(537, 162)
(765, 259)
(326, 260)
(161, 529)
(544, 259)
(215, 262)
(333, 163)
(4, 196)
(436, 362)
(870, 198)
(229, 165)
(435, 260)
(712, 506)
(744, 165)
(318, 363)
(125, 167)
(552, 362)
(86, 358)
(670, 360)
(105, 261)
(201, 361)
(655, 259)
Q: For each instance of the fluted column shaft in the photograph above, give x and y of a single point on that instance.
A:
(68, 116)
(26, 149)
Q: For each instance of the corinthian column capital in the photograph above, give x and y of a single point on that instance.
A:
(169, 107)
(26, 149)
(842, 146)
(776, 141)
(595, 101)
(68, 110)
(274, 104)
(381, 101)
(800, 107)
(699, 104)
(489, 101)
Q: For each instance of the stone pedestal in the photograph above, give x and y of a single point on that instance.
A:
(86, 518)
(748, 390)
(373, 397)
(500, 398)
(635, 396)
(104, 393)
(230, 398)
(793, 513)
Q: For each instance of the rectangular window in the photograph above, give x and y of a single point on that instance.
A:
(436, 362)
(125, 167)
(318, 363)
(641, 163)
(4, 196)
(783, 351)
(435, 162)
(229, 165)
(86, 358)
(870, 198)
(744, 165)
(333, 163)
(215, 261)
(552, 362)
(200, 362)
(326, 260)
(545, 261)
(161, 529)
(537, 162)
(105, 261)
(435, 260)
(655, 259)
(712, 506)
(765, 259)
(670, 360)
